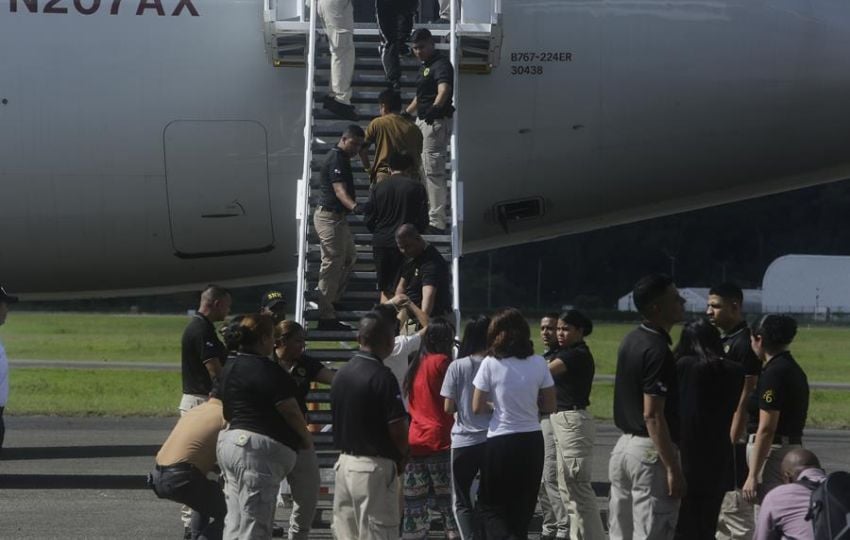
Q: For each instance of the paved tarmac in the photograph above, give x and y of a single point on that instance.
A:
(84, 477)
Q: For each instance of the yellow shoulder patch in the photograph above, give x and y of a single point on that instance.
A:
(767, 396)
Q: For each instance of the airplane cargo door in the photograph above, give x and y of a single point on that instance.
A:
(218, 188)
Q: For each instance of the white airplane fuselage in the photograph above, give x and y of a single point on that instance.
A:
(145, 149)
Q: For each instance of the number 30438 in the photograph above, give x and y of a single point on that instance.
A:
(526, 70)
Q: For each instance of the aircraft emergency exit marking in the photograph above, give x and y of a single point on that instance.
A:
(114, 7)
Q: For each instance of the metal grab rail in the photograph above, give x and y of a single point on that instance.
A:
(457, 215)
(302, 204)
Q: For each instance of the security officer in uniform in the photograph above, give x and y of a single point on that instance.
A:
(203, 354)
(370, 430)
(783, 402)
(555, 522)
(725, 303)
(433, 109)
(330, 220)
(646, 459)
(573, 426)
(273, 303)
(5, 300)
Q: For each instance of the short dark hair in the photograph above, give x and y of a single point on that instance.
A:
(407, 231)
(390, 314)
(390, 99)
(577, 319)
(421, 34)
(550, 315)
(214, 292)
(400, 161)
(509, 335)
(728, 291)
(776, 330)
(648, 289)
(352, 131)
(373, 328)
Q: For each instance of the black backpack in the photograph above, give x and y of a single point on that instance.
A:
(829, 508)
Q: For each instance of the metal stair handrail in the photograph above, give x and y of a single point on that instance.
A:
(303, 203)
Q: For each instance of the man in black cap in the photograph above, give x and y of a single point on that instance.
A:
(5, 300)
(433, 109)
(272, 303)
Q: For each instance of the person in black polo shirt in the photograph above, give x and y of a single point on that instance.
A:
(783, 401)
(337, 244)
(709, 391)
(202, 353)
(304, 478)
(645, 460)
(555, 521)
(425, 274)
(573, 368)
(266, 429)
(725, 311)
(394, 202)
(370, 430)
(433, 109)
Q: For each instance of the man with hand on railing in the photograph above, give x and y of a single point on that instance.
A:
(433, 108)
(337, 200)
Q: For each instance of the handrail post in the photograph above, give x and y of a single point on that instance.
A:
(453, 52)
(304, 203)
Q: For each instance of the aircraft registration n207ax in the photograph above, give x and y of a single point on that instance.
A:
(149, 145)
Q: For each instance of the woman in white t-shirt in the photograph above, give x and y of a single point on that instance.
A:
(516, 385)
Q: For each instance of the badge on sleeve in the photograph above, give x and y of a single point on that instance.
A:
(727, 348)
(768, 396)
(426, 72)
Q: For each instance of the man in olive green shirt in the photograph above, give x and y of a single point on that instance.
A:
(391, 134)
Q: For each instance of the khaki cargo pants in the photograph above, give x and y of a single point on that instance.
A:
(639, 506)
(435, 144)
(338, 19)
(365, 499)
(338, 257)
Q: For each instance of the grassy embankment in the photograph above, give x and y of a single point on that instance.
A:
(824, 353)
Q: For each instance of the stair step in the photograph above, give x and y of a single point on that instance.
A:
(343, 315)
(313, 275)
(318, 396)
(362, 80)
(327, 335)
(365, 97)
(369, 64)
(324, 114)
(366, 238)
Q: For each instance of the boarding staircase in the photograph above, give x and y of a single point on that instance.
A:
(294, 38)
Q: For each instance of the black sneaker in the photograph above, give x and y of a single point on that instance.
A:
(347, 112)
(435, 231)
(333, 325)
(278, 531)
(187, 533)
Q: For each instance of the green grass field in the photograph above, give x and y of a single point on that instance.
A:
(824, 353)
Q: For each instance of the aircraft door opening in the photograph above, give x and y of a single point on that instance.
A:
(217, 180)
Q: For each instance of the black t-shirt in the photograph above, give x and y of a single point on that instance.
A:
(250, 387)
(737, 346)
(438, 69)
(645, 365)
(394, 202)
(199, 344)
(551, 353)
(303, 373)
(708, 396)
(429, 268)
(365, 398)
(573, 387)
(336, 168)
(784, 387)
